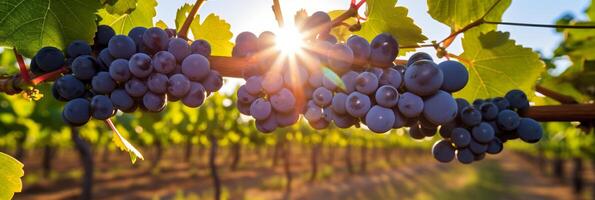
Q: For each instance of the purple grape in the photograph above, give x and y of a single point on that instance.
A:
(244, 96)
(423, 78)
(119, 70)
(201, 47)
(135, 88)
(213, 82)
(101, 107)
(77, 112)
(440, 108)
(443, 151)
(84, 67)
(338, 103)
(254, 85)
(103, 83)
(196, 67)
(283, 101)
(387, 96)
(157, 83)
(380, 119)
(140, 65)
(196, 95)
(121, 46)
(349, 79)
(179, 48)
(164, 62)
(154, 102)
(410, 105)
(357, 104)
(366, 83)
(322, 96)
(260, 109)
(121, 100)
(384, 50)
(178, 85)
(155, 39)
(391, 77)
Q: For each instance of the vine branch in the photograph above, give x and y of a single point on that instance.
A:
(278, 14)
(183, 33)
(542, 25)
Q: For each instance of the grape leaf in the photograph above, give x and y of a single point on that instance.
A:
(383, 16)
(11, 171)
(121, 142)
(119, 7)
(342, 33)
(30, 25)
(213, 29)
(161, 24)
(216, 31)
(141, 16)
(496, 65)
(8, 63)
(457, 14)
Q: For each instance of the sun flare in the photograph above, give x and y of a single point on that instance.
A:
(289, 40)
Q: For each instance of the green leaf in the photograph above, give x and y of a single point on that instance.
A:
(383, 16)
(161, 24)
(333, 77)
(342, 33)
(11, 171)
(8, 62)
(30, 25)
(496, 65)
(119, 7)
(141, 16)
(457, 14)
(181, 15)
(216, 31)
(121, 142)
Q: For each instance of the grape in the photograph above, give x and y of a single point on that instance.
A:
(68, 87)
(460, 137)
(340, 58)
(344, 121)
(357, 104)
(105, 59)
(446, 129)
(57, 95)
(461, 103)
(170, 32)
(489, 111)
(135, 88)
(253, 85)
(338, 103)
(101, 107)
(456, 75)
(366, 83)
(272, 82)
(76, 112)
(121, 100)
(478, 103)
(313, 113)
(483, 133)
(465, 156)
(267, 126)
(529, 130)
(136, 34)
(283, 101)
(286, 119)
(102, 83)
(121, 46)
(155, 39)
(196, 95)
(103, 35)
(384, 50)
(318, 23)
(501, 102)
(329, 84)
(320, 124)
(418, 56)
(157, 83)
(477, 148)
(391, 77)
(322, 96)
(244, 96)
(315, 79)
(470, 116)
(415, 132)
(178, 85)
(423, 78)
(34, 68)
(201, 47)
(495, 146)
(83, 67)
(246, 44)
(376, 71)
(400, 120)
(410, 105)
(213, 82)
(428, 131)
(320, 48)
(119, 70)
(380, 119)
(179, 48)
(196, 67)
(296, 77)
(49, 59)
(349, 80)
(140, 65)
(244, 108)
(78, 48)
(327, 37)
(154, 102)
(443, 151)
(260, 109)
(440, 108)
(494, 126)
(360, 47)
(164, 62)
(387, 96)
(517, 99)
(508, 120)
(478, 157)
(266, 40)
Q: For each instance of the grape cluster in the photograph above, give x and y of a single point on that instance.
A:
(484, 126)
(143, 69)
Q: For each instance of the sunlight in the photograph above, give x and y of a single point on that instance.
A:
(289, 40)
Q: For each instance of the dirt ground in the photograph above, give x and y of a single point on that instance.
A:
(407, 175)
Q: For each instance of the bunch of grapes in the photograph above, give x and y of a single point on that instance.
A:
(484, 126)
(143, 69)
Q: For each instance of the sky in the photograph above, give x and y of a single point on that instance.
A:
(256, 16)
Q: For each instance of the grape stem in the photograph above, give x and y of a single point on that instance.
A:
(278, 14)
(22, 66)
(49, 76)
(542, 25)
(351, 12)
(183, 33)
(563, 99)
